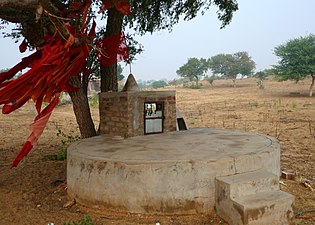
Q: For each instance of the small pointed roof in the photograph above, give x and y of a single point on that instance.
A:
(131, 84)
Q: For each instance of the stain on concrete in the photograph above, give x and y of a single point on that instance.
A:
(222, 196)
(101, 166)
(82, 165)
(90, 167)
(71, 162)
(240, 212)
(177, 207)
(257, 213)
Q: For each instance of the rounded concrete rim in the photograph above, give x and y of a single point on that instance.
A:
(198, 144)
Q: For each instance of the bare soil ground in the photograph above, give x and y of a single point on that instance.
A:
(33, 192)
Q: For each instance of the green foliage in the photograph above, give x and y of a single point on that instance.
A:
(230, 65)
(4, 70)
(193, 69)
(244, 64)
(150, 16)
(94, 100)
(134, 48)
(261, 75)
(67, 138)
(86, 220)
(158, 84)
(269, 72)
(65, 142)
(260, 84)
(218, 64)
(192, 86)
(297, 58)
(120, 76)
(212, 78)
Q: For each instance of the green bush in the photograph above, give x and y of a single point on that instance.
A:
(86, 220)
(65, 142)
(260, 84)
(192, 86)
(93, 101)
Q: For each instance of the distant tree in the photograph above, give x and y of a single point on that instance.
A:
(261, 75)
(244, 63)
(15, 76)
(193, 69)
(269, 72)
(4, 70)
(297, 60)
(218, 64)
(120, 76)
(211, 79)
(159, 84)
(230, 65)
(173, 82)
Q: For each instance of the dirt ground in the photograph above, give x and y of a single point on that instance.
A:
(34, 192)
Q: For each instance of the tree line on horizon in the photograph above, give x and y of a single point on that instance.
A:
(222, 65)
(297, 61)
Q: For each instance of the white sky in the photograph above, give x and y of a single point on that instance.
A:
(257, 27)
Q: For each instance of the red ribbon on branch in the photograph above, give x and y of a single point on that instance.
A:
(121, 5)
(37, 129)
(112, 49)
(51, 67)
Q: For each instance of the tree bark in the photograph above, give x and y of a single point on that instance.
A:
(312, 85)
(234, 82)
(17, 11)
(81, 109)
(109, 73)
(197, 82)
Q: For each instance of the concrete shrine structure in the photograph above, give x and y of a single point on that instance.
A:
(141, 164)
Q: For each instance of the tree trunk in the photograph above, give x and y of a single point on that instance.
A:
(109, 78)
(81, 108)
(109, 73)
(312, 85)
(197, 82)
(234, 82)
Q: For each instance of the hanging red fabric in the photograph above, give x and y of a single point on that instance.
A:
(50, 69)
(121, 5)
(112, 49)
(37, 128)
(23, 46)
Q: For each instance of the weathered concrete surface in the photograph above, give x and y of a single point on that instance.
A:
(253, 198)
(272, 207)
(247, 183)
(171, 173)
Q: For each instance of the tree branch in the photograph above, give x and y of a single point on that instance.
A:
(17, 11)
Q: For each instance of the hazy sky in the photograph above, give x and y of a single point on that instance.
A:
(257, 27)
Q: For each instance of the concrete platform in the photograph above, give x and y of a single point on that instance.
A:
(172, 173)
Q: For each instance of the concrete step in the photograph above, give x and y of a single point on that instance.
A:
(253, 198)
(247, 183)
(272, 207)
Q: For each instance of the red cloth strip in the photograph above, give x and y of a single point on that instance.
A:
(121, 5)
(112, 49)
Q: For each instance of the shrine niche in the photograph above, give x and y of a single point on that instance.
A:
(153, 117)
